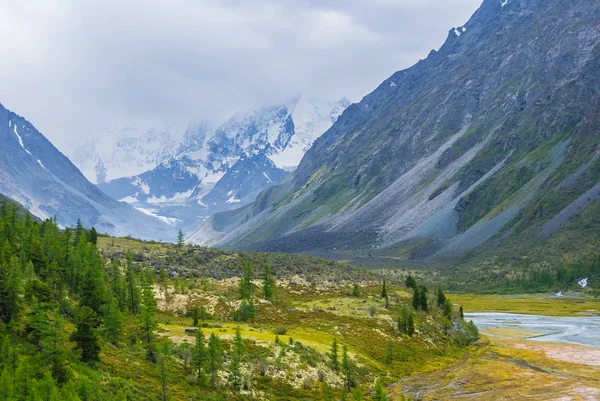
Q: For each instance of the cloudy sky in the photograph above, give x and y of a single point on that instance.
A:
(73, 67)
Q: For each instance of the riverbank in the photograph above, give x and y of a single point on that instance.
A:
(533, 304)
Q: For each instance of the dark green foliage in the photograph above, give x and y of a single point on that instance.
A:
(148, 322)
(462, 313)
(333, 355)
(355, 291)
(200, 358)
(383, 290)
(237, 352)
(85, 336)
(410, 282)
(180, 239)
(215, 358)
(246, 286)
(348, 369)
(93, 236)
(389, 356)
(441, 298)
(246, 312)
(268, 283)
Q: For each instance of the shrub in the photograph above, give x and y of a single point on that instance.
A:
(280, 330)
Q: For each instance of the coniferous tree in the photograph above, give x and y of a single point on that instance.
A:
(383, 290)
(410, 326)
(462, 313)
(246, 285)
(180, 239)
(390, 352)
(9, 289)
(347, 368)
(235, 374)
(200, 358)
(113, 321)
(93, 236)
(85, 336)
(333, 355)
(268, 283)
(416, 299)
(423, 303)
(410, 282)
(164, 356)
(133, 293)
(215, 358)
(147, 318)
(441, 298)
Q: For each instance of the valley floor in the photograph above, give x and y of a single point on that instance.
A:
(511, 362)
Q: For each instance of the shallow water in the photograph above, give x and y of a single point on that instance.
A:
(584, 330)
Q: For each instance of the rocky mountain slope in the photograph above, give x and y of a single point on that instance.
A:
(492, 138)
(35, 174)
(221, 170)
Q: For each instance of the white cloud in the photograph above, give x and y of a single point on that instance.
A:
(73, 67)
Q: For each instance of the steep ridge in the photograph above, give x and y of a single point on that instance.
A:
(468, 147)
(35, 174)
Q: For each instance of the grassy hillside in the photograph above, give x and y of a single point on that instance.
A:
(84, 317)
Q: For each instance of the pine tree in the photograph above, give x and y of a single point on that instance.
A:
(333, 356)
(147, 318)
(416, 300)
(462, 313)
(200, 358)
(195, 316)
(9, 290)
(215, 358)
(441, 298)
(164, 356)
(246, 285)
(410, 325)
(180, 239)
(390, 352)
(133, 293)
(383, 291)
(423, 299)
(113, 322)
(268, 283)
(6, 385)
(235, 374)
(410, 282)
(85, 336)
(93, 236)
(347, 368)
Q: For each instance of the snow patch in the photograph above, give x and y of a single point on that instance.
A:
(41, 164)
(151, 212)
(267, 177)
(583, 282)
(503, 3)
(233, 200)
(20, 140)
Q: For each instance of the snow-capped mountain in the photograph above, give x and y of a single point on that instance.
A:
(35, 174)
(224, 169)
(125, 151)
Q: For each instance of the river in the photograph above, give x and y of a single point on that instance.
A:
(582, 330)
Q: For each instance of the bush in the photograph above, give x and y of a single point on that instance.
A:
(280, 330)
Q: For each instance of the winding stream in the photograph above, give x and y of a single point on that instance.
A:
(583, 330)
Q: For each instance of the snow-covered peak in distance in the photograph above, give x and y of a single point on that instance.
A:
(125, 151)
(311, 117)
